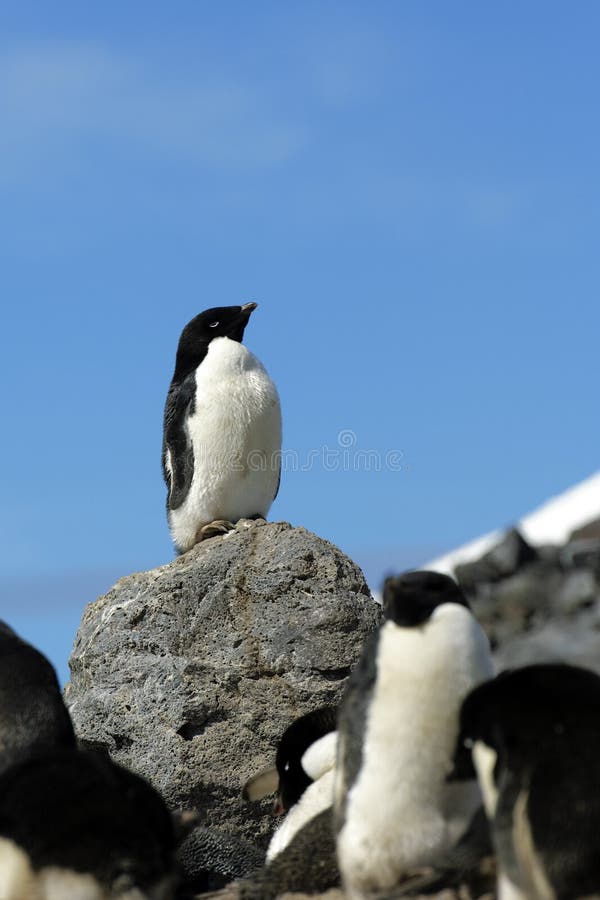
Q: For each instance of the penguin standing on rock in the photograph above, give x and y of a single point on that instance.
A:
(222, 430)
(534, 735)
(394, 809)
(33, 717)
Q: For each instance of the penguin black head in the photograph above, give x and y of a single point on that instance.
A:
(33, 717)
(410, 599)
(220, 321)
(295, 741)
(519, 708)
(289, 778)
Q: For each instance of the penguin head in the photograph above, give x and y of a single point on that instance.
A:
(514, 710)
(220, 321)
(295, 769)
(409, 600)
(6, 633)
(33, 714)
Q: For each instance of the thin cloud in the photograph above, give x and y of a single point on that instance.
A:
(54, 98)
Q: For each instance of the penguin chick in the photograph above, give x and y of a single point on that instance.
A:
(303, 774)
(33, 717)
(398, 723)
(221, 453)
(75, 826)
(534, 735)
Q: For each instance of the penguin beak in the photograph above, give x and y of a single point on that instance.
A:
(278, 808)
(249, 308)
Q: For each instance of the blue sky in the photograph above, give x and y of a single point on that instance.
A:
(408, 190)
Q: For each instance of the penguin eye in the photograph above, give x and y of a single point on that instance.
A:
(213, 324)
(286, 768)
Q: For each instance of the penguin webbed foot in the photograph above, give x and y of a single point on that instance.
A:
(214, 529)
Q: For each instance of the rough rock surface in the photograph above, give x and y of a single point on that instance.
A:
(546, 605)
(188, 674)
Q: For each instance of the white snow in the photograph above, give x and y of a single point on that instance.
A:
(551, 523)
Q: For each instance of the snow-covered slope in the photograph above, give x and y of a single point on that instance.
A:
(551, 523)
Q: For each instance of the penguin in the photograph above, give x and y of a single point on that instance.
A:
(221, 454)
(76, 826)
(33, 716)
(394, 810)
(302, 777)
(534, 736)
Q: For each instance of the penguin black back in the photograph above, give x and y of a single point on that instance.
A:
(33, 716)
(540, 727)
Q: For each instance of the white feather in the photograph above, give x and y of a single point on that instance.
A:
(317, 797)
(401, 813)
(484, 760)
(235, 432)
(320, 756)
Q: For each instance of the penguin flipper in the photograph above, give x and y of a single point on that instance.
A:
(278, 480)
(178, 452)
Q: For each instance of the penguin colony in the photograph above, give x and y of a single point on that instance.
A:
(429, 763)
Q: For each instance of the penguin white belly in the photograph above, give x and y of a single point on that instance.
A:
(396, 811)
(235, 432)
(317, 797)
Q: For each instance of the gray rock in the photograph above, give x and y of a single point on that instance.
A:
(578, 590)
(589, 531)
(188, 674)
(503, 560)
(582, 552)
(574, 640)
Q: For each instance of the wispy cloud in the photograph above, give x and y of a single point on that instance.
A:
(59, 96)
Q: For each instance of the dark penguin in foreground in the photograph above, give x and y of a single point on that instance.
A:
(33, 717)
(75, 826)
(221, 452)
(303, 774)
(534, 735)
(394, 809)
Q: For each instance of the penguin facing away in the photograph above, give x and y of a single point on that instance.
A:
(221, 454)
(534, 735)
(302, 777)
(33, 716)
(394, 809)
(75, 826)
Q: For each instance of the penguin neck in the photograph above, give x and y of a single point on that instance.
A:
(221, 352)
(225, 358)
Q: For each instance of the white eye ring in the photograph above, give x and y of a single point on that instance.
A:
(213, 324)
(286, 768)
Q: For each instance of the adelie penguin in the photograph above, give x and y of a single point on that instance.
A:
(534, 735)
(222, 430)
(33, 717)
(75, 826)
(301, 854)
(302, 776)
(395, 811)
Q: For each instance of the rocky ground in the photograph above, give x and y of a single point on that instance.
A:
(188, 674)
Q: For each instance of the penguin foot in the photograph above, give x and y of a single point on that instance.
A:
(212, 529)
